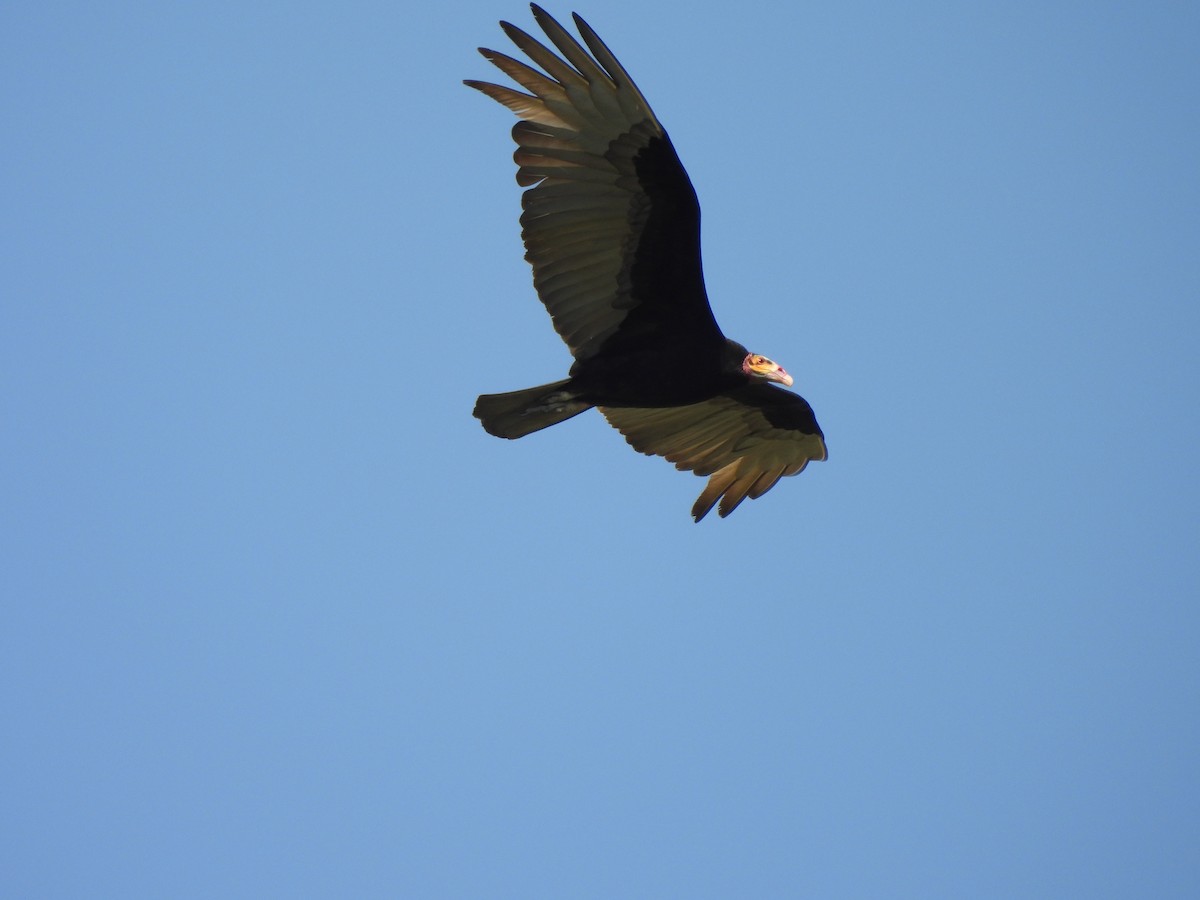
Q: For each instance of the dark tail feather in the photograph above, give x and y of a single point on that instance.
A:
(519, 413)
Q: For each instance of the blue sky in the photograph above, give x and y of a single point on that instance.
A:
(280, 619)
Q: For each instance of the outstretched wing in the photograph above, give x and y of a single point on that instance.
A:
(746, 439)
(611, 223)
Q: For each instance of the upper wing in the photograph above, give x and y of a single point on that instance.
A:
(746, 439)
(611, 223)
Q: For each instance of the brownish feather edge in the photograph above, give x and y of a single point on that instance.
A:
(577, 109)
(743, 454)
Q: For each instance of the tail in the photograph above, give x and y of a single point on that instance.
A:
(519, 413)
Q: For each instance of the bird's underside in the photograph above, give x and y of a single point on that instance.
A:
(612, 231)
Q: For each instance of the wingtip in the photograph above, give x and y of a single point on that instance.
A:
(580, 23)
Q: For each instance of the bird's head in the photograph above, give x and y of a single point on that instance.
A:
(759, 368)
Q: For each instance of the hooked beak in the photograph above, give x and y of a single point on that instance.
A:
(780, 374)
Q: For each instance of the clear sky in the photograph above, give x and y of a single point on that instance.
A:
(280, 619)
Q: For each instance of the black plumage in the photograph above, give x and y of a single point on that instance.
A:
(611, 226)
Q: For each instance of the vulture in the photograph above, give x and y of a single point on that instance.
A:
(611, 227)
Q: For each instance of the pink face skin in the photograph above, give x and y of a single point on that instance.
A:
(765, 370)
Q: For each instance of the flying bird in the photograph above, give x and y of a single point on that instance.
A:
(612, 230)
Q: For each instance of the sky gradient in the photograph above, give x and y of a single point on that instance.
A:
(280, 619)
